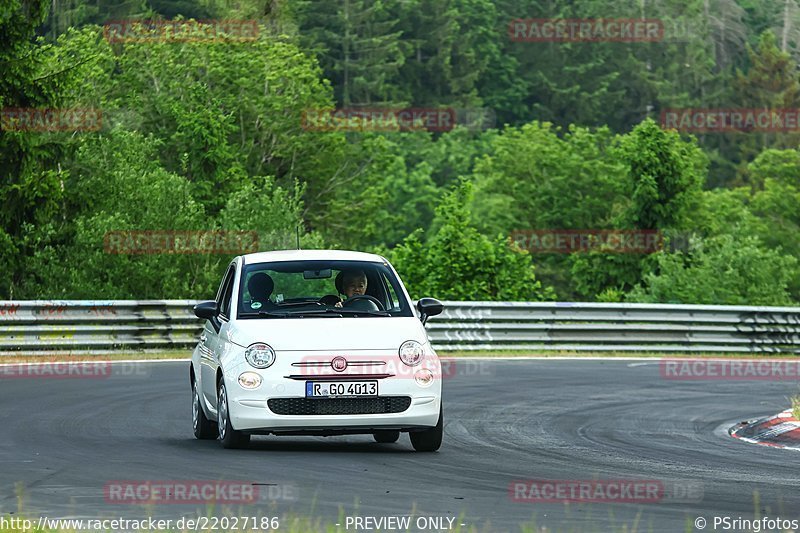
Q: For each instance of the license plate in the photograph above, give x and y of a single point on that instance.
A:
(341, 389)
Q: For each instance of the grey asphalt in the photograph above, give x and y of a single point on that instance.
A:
(63, 440)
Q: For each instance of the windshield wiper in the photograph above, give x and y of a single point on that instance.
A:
(272, 314)
(339, 312)
(324, 313)
(332, 313)
(357, 312)
(298, 304)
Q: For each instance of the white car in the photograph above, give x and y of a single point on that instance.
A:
(315, 342)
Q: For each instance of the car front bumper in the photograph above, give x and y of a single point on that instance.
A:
(255, 416)
(254, 410)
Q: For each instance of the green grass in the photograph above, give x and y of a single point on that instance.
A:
(796, 407)
(578, 518)
(294, 523)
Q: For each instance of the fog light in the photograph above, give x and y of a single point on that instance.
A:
(424, 377)
(250, 380)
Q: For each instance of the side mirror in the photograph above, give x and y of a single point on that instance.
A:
(207, 310)
(429, 307)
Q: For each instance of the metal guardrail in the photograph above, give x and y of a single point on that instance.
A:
(615, 327)
(99, 326)
(96, 326)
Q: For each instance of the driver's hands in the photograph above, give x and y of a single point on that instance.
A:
(338, 304)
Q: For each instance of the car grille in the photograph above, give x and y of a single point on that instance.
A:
(339, 406)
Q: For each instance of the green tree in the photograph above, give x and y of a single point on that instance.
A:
(723, 271)
(783, 165)
(664, 179)
(227, 110)
(456, 262)
(770, 84)
(273, 212)
(777, 207)
(534, 179)
(30, 178)
(117, 184)
(719, 211)
(665, 175)
(65, 14)
(359, 47)
(584, 83)
(770, 212)
(771, 79)
(380, 198)
(454, 43)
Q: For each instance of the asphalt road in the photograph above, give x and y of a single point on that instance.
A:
(64, 440)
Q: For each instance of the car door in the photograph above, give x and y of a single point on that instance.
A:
(209, 357)
(226, 313)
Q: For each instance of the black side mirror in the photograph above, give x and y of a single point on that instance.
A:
(207, 310)
(429, 307)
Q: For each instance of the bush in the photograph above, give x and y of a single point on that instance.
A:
(722, 270)
(456, 262)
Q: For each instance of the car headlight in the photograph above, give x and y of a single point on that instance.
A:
(259, 355)
(411, 353)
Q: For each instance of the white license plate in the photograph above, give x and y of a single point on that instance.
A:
(341, 389)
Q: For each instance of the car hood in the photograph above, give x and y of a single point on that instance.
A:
(328, 334)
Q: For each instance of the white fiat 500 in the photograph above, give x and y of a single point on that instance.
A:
(315, 342)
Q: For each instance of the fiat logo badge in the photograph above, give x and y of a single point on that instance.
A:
(339, 364)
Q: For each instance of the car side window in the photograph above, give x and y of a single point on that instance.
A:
(226, 293)
(391, 297)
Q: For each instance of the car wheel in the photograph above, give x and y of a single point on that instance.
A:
(428, 440)
(204, 428)
(229, 437)
(386, 437)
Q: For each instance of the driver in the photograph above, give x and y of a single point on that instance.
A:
(354, 283)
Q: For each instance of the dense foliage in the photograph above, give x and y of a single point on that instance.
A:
(211, 134)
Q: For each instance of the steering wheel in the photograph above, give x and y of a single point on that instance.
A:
(354, 302)
(330, 299)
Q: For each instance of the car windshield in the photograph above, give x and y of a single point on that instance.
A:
(299, 289)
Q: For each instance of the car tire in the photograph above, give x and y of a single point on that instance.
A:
(386, 436)
(204, 429)
(428, 440)
(228, 437)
